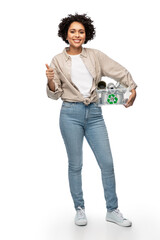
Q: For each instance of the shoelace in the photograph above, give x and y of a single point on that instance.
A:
(80, 212)
(119, 213)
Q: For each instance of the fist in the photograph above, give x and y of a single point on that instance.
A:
(49, 73)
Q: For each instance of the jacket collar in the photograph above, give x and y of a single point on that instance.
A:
(83, 53)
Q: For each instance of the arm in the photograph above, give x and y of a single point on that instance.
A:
(131, 99)
(53, 88)
(114, 70)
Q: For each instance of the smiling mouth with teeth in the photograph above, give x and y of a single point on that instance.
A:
(76, 40)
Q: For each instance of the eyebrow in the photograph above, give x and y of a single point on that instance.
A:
(75, 29)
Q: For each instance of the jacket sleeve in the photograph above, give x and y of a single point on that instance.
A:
(114, 70)
(58, 88)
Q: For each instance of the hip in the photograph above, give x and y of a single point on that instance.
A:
(80, 111)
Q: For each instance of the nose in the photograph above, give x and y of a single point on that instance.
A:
(77, 34)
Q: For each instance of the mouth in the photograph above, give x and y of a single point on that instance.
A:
(76, 40)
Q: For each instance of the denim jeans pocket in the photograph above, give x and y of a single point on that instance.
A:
(95, 109)
(95, 104)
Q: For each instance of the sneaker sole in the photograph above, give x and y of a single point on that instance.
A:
(81, 224)
(110, 220)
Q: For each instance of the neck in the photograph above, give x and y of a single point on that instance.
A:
(74, 51)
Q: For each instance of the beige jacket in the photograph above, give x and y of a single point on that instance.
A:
(97, 63)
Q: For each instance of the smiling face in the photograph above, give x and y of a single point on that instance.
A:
(76, 34)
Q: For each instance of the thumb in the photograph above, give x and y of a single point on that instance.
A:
(47, 66)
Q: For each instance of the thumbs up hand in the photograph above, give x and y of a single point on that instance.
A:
(50, 77)
(49, 73)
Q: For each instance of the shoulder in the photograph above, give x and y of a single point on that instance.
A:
(91, 50)
(58, 59)
(95, 52)
(57, 56)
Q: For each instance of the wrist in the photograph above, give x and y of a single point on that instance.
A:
(133, 91)
(51, 85)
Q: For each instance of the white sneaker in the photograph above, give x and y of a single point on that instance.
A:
(80, 218)
(116, 216)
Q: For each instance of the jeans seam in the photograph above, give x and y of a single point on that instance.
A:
(91, 143)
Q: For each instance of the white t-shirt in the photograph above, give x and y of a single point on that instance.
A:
(80, 75)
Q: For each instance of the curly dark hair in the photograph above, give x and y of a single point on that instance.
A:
(83, 19)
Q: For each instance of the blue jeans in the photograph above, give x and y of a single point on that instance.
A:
(76, 121)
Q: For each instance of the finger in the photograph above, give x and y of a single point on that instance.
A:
(49, 75)
(130, 100)
(49, 70)
(47, 66)
(128, 103)
(126, 106)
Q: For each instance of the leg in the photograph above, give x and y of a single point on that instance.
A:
(73, 133)
(97, 137)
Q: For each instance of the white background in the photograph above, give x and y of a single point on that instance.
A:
(35, 201)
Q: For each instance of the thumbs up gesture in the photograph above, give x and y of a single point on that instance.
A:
(50, 76)
(49, 73)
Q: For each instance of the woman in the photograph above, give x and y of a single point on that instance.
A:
(73, 75)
